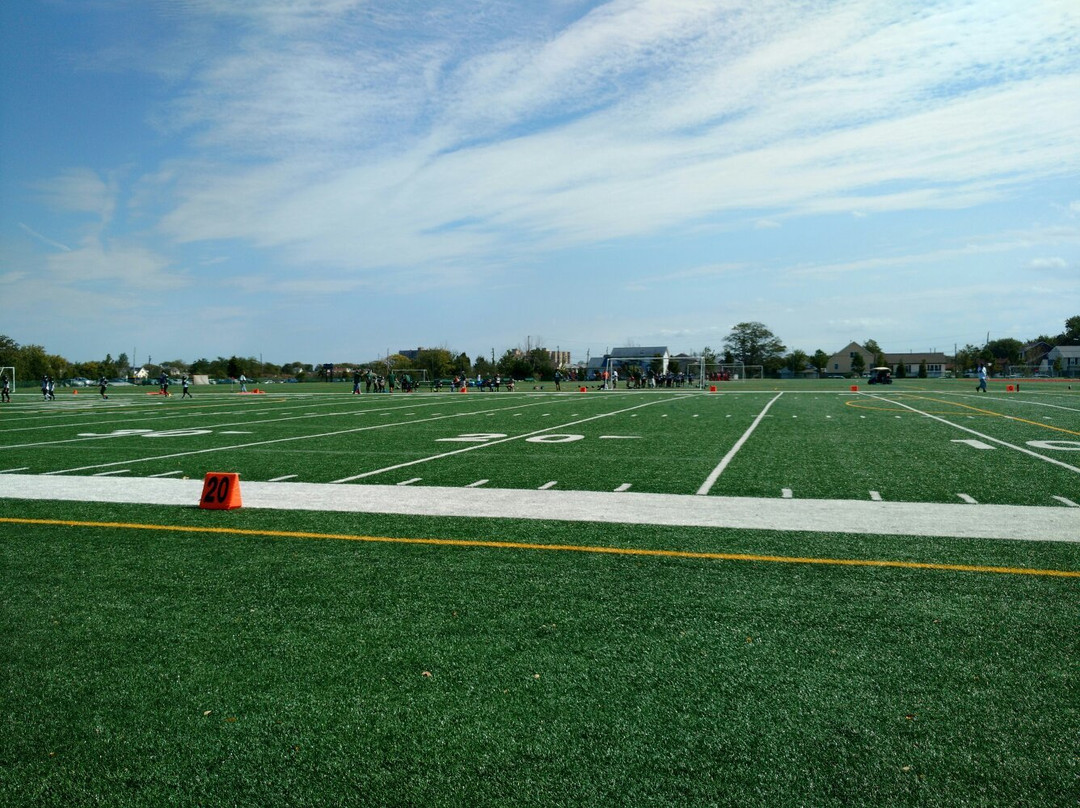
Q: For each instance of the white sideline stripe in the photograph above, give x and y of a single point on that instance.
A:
(478, 483)
(114, 471)
(859, 517)
(282, 478)
(166, 473)
(410, 482)
(12, 471)
(710, 481)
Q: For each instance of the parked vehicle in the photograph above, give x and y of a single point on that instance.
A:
(880, 376)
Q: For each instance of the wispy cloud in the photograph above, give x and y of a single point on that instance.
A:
(44, 239)
(634, 119)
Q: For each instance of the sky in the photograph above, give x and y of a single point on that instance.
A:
(332, 180)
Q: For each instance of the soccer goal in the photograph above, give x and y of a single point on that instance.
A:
(713, 372)
(631, 371)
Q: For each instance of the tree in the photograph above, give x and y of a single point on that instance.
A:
(754, 344)
(484, 367)
(1011, 350)
(1072, 331)
(797, 361)
(462, 364)
(858, 364)
(922, 369)
(966, 358)
(820, 361)
(438, 362)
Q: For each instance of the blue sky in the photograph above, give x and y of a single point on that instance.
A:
(324, 180)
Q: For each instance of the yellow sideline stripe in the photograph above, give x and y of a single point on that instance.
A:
(503, 545)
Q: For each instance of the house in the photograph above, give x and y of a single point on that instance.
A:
(840, 362)
(937, 364)
(1064, 360)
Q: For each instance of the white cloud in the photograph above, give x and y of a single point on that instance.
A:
(1047, 263)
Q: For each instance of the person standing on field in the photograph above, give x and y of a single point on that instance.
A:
(982, 379)
(5, 389)
(184, 384)
(103, 383)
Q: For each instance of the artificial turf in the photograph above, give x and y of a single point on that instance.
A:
(148, 668)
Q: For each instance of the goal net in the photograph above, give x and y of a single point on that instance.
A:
(728, 372)
(628, 372)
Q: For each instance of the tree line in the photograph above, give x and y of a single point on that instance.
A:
(751, 343)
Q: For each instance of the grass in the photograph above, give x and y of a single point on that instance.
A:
(175, 667)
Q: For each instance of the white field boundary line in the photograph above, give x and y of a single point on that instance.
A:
(476, 446)
(236, 446)
(1005, 400)
(853, 517)
(982, 435)
(159, 418)
(714, 475)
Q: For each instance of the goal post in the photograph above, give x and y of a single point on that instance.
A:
(631, 371)
(9, 372)
(712, 372)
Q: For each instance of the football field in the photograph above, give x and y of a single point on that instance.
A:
(773, 594)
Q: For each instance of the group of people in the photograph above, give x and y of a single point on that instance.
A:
(164, 381)
(377, 383)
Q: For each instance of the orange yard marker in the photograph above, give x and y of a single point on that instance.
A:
(221, 491)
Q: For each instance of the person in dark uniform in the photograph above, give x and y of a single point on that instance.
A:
(185, 383)
(103, 383)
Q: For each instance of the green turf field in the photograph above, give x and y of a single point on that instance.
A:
(580, 655)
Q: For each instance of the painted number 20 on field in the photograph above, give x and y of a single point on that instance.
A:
(487, 437)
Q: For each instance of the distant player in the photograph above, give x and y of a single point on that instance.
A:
(982, 379)
(103, 385)
(5, 389)
(184, 384)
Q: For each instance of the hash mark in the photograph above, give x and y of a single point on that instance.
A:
(477, 484)
(970, 500)
(625, 486)
(548, 485)
(1064, 501)
(410, 482)
(786, 493)
(875, 496)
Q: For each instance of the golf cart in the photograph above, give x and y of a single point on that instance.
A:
(880, 376)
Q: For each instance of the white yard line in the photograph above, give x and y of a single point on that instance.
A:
(486, 444)
(984, 436)
(236, 446)
(714, 475)
(1010, 522)
(217, 427)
